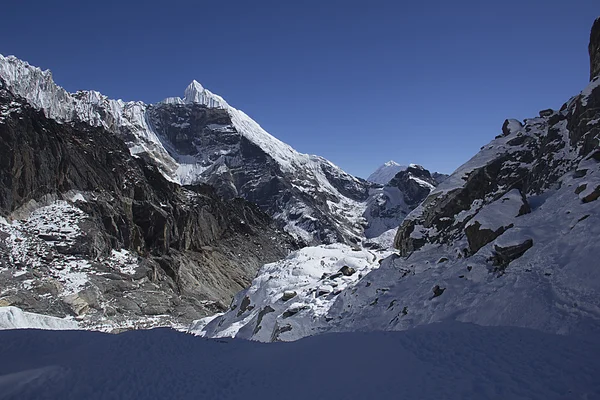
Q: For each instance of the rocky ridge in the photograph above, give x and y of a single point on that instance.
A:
(87, 230)
(387, 206)
(202, 139)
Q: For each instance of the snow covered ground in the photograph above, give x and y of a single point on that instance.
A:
(441, 361)
(289, 299)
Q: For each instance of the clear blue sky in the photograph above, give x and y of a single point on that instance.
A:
(358, 82)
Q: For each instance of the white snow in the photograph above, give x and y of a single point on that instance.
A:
(386, 172)
(442, 361)
(496, 214)
(15, 318)
(312, 273)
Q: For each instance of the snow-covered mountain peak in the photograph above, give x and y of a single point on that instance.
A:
(386, 172)
(311, 197)
(196, 93)
(193, 92)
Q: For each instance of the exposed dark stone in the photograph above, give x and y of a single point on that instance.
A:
(593, 196)
(413, 192)
(388, 206)
(594, 50)
(505, 130)
(347, 271)
(288, 295)
(244, 305)
(581, 188)
(478, 237)
(261, 315)
(334, 276)
(437, 291)
(279, 330)
(504, 255)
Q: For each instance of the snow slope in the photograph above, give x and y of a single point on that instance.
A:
(441, 361)
(15, 318)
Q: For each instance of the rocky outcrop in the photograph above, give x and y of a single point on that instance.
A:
(594, 50)
(77, 199)
(529, 157)
(503, 255)
(415, 183)
(389, 205)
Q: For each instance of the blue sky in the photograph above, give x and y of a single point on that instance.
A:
(357, 82)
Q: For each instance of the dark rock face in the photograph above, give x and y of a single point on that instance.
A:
(192, 250)
(415, 183)
(504, 255)
(439, 177)
(388, 206)
(478, 237)
(238, 167)
(594, 50)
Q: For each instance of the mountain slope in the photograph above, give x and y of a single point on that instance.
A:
(510, 238)
(388, 206)
(200, 138)
(89, 230)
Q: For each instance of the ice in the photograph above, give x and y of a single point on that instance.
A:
(15, 318)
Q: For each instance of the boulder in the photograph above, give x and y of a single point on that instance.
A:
(288, 295)
(503, 255)
(437, 291)
(347, 271)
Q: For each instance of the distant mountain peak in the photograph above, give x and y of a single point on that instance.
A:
(386, 172)
(195, 93)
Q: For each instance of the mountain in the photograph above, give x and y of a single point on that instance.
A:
(509, 239)
(200, 138)
(389, 205)
(90, 231)
(386, 172)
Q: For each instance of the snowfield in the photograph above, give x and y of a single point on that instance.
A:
(441, 361)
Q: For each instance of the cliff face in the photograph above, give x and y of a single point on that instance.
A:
(594, 49)
(107, 235)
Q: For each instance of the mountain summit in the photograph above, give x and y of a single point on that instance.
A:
(386, 172)
(200, 138)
